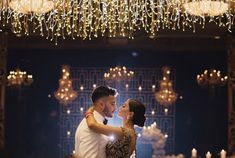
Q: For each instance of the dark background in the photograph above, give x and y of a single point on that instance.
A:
(32, 121)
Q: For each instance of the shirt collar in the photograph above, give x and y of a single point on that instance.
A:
(98, 117)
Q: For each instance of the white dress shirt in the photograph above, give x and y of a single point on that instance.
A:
(89, 144)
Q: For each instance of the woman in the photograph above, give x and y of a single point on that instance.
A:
(132, 113)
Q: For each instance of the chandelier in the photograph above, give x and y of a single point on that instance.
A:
(65, 94)
(18, 78)
(118, 74)
(211, 78)
(31, 6)
(206, 7)
(166, 95)
(111, 18)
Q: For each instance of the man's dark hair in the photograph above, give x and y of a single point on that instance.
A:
(102, 91)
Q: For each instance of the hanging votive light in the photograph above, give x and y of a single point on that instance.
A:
(18, 78)
(118, 74)
(211, 78)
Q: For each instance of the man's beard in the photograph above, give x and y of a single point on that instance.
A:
(106, 112)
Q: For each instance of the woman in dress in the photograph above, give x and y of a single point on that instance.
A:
(132, 113)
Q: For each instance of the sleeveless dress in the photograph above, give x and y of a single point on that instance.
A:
(119, 148)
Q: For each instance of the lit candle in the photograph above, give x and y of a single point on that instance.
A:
(194, 153)
(223, 154)
(208, 155)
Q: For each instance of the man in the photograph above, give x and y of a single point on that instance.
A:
(89, 144)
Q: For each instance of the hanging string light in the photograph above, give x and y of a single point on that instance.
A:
(65, 94)
(90, 19)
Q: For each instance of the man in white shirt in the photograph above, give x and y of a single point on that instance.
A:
(89, 144)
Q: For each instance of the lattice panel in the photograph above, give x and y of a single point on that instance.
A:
(71, 115)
